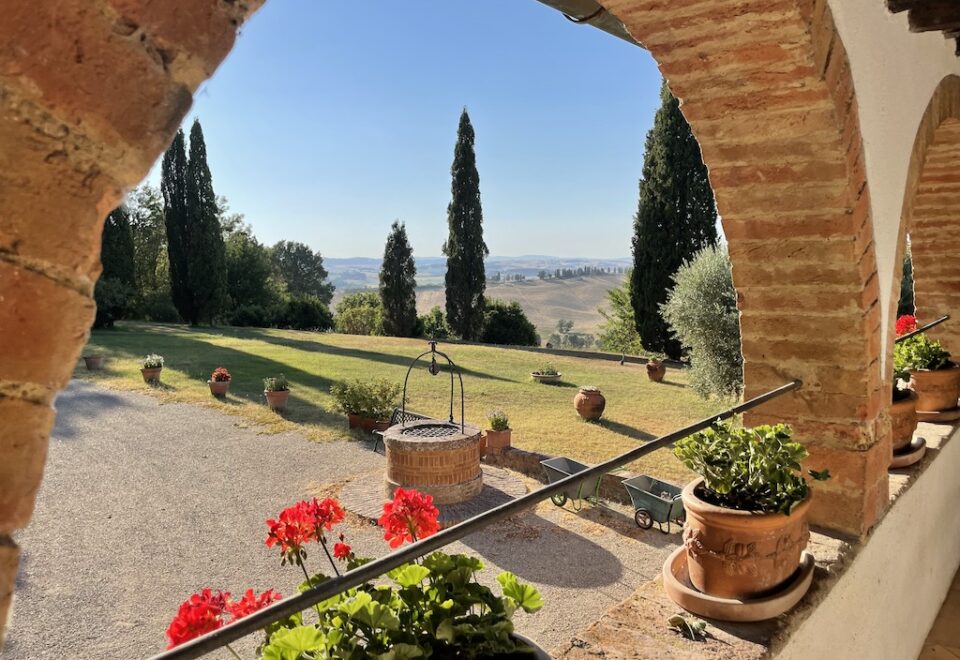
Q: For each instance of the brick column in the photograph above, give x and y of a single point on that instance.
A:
(766, 86)
(91, 92)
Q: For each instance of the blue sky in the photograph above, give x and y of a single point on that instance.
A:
(329, 120)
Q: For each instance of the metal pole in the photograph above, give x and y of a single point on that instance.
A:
(921, 329)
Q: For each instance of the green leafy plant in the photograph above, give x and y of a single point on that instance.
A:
(749, 469)
(689, 626)
(547, 370)
(498, 420)
(152, 361)
(276, 384)
(920, 353)
(589, 388)
(374, 399)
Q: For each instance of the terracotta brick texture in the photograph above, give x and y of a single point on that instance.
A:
(766, 86)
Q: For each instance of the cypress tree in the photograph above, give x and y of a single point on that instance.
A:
(675, 219)
(207, 262)
(398, 286)
(464, 248)
(173, 186)
(117, 285)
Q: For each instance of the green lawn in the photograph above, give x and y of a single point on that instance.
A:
(541, 416)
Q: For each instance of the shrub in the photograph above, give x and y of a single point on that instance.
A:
(702, 312)
(305, 312)
(618, 333)
(255, 316)
(152, 361)
(748, 469)
(547, 370)
(159, 308)
(220, 375)
(113, 301)
(360, 314)
(920, 353)
(374, 399)
(433, 324)
(276, 384)
(498, 420)
(505, 323)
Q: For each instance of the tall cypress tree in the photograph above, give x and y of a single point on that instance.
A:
(676, 218)
(117, 285)
(398, 286)
(173, 185)
(207, 253)
(464, 248)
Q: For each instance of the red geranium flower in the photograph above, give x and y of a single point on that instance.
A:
(411, 516)
(341, 550)
(293, 530)
(197, 616)
(251, 603)
(326, 513)
(906, 323)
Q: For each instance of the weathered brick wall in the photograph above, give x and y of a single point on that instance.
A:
(91, 92)
(766, 86)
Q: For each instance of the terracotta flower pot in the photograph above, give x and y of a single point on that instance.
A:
(589, 404)
(656, 370)
(739, 554)
(218, 387)
(497, 441)
(368, 424)
(152, 375)
(936, 390)
(903, 419)
(277, 400)
(93, 362)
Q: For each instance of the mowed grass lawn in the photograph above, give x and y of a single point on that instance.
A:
(542, 416)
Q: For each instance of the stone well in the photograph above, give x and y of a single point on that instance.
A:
(434, 457)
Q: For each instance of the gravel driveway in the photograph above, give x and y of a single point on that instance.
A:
(143, 503)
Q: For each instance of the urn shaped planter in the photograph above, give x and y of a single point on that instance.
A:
(589, 403)
(741, 554)
(903, 420)
(656, 370)
(936, 390)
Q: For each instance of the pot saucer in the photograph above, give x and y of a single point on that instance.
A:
(939, 416)
(910, 454)
(677, 584)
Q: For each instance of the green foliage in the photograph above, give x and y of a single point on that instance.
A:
(505, 323)
(360, 314)
(276, 383)
(433, 324)
(564, 337)
(173, 185)
(547, 370)
(465, 248)
(702, 312)
(748, 469)
(152, 361)
(250, 281)
(302, 270)
(151, 262)
(113, 301)
(434, 609)
(117, 286)
(498, 420)
(920, 353)
(675, 218)
(303, 311)
(618, 332)
(398, 284)
(906, 304)
(374, 399)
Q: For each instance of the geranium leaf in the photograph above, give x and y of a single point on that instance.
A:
(445, 631)
(290, 643)
(402, 652)
(409, 575)
(525, 595)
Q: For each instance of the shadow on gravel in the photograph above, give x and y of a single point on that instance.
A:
(81, 402)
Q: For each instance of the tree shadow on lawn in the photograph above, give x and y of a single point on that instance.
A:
(628, 431)
(81, 401)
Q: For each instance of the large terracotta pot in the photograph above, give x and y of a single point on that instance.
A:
(497, 441)
(589, 404)
(277, 400)
(936, 390)
(219, 387)
(151, 376)
(368, 424)
(656, 370)
(903, 420)
(93, 362)
(739, 554)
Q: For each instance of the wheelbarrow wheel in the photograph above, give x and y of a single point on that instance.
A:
(559, 499)
(643, 519)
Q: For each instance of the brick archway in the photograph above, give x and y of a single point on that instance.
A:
(931, 211)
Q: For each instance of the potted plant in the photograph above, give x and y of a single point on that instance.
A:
(93, 361)
(903, 410)
(431, 607)
(746, 521)
(497, 437)
(219, 381)
(368, 404)
(277, 391)
(933, 376)
(589, 402)
(656, 370)
(546, 374)
(150, 368)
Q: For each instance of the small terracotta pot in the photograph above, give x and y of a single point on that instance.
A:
(936, 390)
(151, 376)
(656, 370)
(903, 420)
(93, 362)
(277, 400)
(497, 441)
(589, 404)
(219, 387)
(368, 424)
(739, 554)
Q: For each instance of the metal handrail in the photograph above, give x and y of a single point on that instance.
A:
(374, 569)
(922, 328)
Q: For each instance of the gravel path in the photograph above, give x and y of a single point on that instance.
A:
(144, 502)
